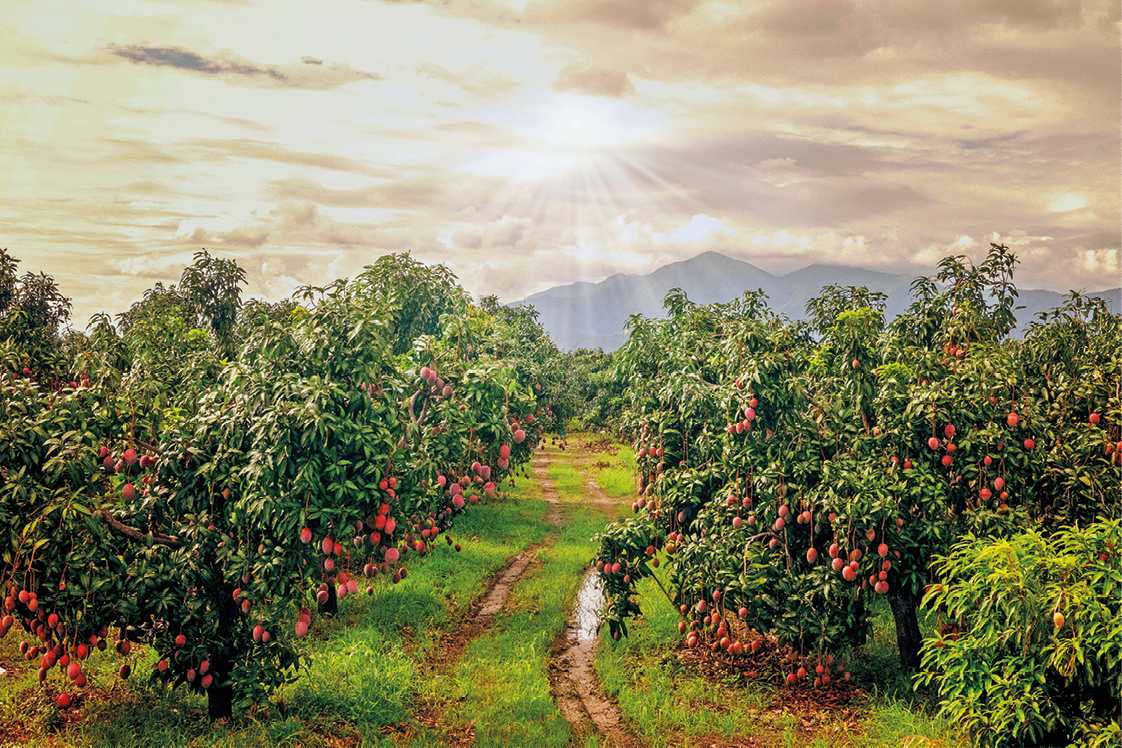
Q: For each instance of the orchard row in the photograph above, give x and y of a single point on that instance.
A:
(790, 471)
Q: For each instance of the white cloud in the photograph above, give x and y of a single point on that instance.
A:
(700, 228)
(888, 132)
(1067, 202)
(1100, 261)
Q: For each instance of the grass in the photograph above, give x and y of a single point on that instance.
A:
(669, 704)
(503, 679)
(613, 470)
(369, 666)
(566, 477)
(891, 720)
(877, 669)
(666, 703)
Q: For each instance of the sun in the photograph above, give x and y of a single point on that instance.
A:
(582, 123)
(579, 125)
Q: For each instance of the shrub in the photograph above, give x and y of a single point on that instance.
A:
(1029, 650)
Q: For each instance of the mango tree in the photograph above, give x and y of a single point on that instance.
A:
(1033, 653)
(208, 529)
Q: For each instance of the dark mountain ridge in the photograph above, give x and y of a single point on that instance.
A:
(593, 315)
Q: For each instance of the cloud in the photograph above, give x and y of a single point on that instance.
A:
(503, 236)
(310, 73)
(1044, 13)
(593, 82)
(479, 81)
(477, 134)
(306, 226)
(811, 17)
(769, 130)
(1067, 202)
(630, 14)
(302, 189)
(156, 267)
(468, 237)
(226, 150)
(699, 229)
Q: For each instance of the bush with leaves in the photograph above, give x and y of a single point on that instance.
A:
(33, 313)
(1030, 640)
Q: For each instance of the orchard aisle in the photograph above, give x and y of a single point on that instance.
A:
(520, 667)
(573, 668)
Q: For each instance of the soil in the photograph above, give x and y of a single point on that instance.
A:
(475, 622)
(37, 701)
(576, 689)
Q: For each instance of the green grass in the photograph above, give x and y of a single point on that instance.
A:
(618, 479)
(668, 704)
(357, 676)
(502, 681)
(369, 666)
(503, 677)
(890, 720)
(566, 477)
(877, 667)
(664, 701)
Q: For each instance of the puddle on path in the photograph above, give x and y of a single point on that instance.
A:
(572, 669)
(586, 614)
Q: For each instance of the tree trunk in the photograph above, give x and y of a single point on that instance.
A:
(908, 638)
(220, 702)
(220, 695)
(331, 607)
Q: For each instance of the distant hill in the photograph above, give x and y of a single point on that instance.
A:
(593, 315)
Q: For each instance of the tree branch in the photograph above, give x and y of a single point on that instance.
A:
(424, 413)
(416, 420)
(661, 587)
(129, 532)
(412, 416)
(419, 422)
(150, 447)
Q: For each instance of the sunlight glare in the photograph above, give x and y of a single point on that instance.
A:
(582, 123)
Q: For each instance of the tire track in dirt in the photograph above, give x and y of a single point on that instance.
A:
(499, 585)
(572, 667)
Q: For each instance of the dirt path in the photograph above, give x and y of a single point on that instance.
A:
(572, 669)
(478, 619)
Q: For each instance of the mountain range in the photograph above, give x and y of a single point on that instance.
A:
(593, 315)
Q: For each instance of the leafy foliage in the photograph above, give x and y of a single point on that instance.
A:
(32, 313)
(210, 288)
(1032, 639)
(175, 496)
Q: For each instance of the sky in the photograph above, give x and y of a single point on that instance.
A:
(533, 143)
